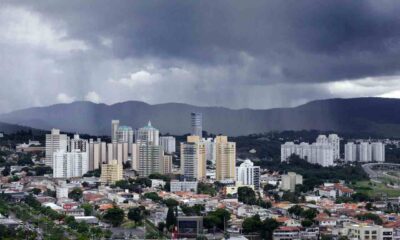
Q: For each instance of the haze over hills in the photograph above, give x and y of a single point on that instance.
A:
(357, 115)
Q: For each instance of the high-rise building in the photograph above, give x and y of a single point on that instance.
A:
(78, 144)
(125, 135)
(111, 172)
(248, 174)
(117, 151)
(167, 164)
(193, 158)
(290, 180)
(321, 152)
(378, 151)
(147, 135)
(97, 153)
(364, 152)
(225, 154)
(350, 152)
(70, 164)
(55, 142)
(114, 129)
(168, 143)
(197, 124)
(149, 159)
(210, 149)
(334, 141)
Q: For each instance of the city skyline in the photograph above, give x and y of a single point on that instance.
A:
(237, 55)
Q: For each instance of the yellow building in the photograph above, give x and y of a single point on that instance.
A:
(225, 158)
(193, 158)
(167, 164)
(111, 172)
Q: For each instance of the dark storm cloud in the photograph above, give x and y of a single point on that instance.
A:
(222, 48)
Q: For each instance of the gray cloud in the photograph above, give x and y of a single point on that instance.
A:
(257, 54)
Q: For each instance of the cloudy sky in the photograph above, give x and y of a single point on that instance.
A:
(256, 54)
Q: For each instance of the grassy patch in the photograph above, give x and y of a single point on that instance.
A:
(374, 189)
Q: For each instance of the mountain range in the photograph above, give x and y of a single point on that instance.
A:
(378, 116)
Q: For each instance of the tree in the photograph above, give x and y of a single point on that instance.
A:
(217, 218)
(136, 214)
(310, 213)
(306, 223)
(36, 191)
(161, 226)
(153, 196)
(88, 208)
(252, 224)
(171, 218)
(268, 227)
(76, 194)
(246, 195)
(115, 216)
(368, 206)
(296, 210)
(6, 171)
(171, 202)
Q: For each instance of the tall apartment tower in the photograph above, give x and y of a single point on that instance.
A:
(334, 141)
(350, 152)
(70, 164)
(150, 159)
(147, 135)
(114, 129)
(168, 143)
(248, 174)
(225, 158)
(197, 124)
(78, 144)
(111, 172)
(97, 153)
(125, 135)
(193, 158)
(54, 142)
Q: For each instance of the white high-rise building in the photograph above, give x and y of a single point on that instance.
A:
(197, 124)
(321, 152)
(334, 141)
(55, 142)
(78, 144)
(168, 143)
(248, 174)
(70, 164)
(378, 151)
(210, 149)
(125, 135)
(350, 152)
(114, 129)
(150, 159)
(97, 153)
(117, 151)
(147, 135)
(365, 152)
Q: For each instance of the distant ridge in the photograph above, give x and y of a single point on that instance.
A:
(379, 116)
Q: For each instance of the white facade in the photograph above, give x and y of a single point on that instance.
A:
(147, 135)
(62, 192)
(365, 152)
(248, 174)
(210, 149)
(197, 124)
(184, 186)
(114, 129)
(321, 152)
(168, 143)
(77, 144)
(290, 180)
(70, 164)
(125, 135)
(334, 141)
(55, 142)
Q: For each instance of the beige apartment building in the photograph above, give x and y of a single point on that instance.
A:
(225, 158)
(111, 172)
(193, 158)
